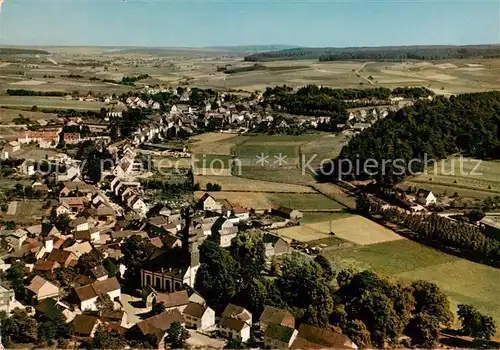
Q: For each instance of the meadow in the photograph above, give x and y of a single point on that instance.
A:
(462, 280)
(450, 176)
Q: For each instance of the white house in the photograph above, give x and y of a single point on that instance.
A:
(236, 322)
(426, 197)
(140, 207)
(43, 289)
(207, 202)
(87, 295)
(198, 316)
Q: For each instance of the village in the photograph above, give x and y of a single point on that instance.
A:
(94, 208)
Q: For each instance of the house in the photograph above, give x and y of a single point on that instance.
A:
(27, 168)
(52, 309)
(46, 266)
(78, 249)
(236, 322)
(199, 316)
(274, 245)
(63, 257)
(87, 295)
(159, 324)
(117, 317)
(208, 203)
(287, 213)
(99, 273)
(43, 289)
(321, 338)
(277, 336)
(93, 235)
(243, 214)
(139, 206)
(79, 224)
(426, 197)
(85, 325)
(273, 315)
(75, 203)
(491, 225)
(77, 187)
(226, 230)
(7, 299)
(63, 208)
(176, 300)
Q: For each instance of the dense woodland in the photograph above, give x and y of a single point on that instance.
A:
(468, 124)
(379, 53)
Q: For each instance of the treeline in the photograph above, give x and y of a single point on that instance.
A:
(127, 80)
(16, 51)
(412, 92)
(380, 53)
(23, 92)
(467, 124)
(442, 233)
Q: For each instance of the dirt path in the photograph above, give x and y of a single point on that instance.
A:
(362, 76)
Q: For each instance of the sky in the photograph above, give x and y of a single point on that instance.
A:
(203, 23)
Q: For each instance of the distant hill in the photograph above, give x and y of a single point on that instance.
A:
(252, 48)
(379, 53)
(19, 51)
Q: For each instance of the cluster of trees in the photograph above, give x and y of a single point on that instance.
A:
(439, 232)
(467, 124)
(213, 187)
(412, 92)
(16, 51)
(378, 53)
(24, 92)
(372, 310)
(307, 101)
(95, 160)
(475, 324)
(128, 80)
(21, 328)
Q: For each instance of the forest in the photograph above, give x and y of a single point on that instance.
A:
(430, 130)
(379, 53)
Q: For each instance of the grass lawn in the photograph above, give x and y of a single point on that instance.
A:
(300, 201)
(463, 281)
(314, 217)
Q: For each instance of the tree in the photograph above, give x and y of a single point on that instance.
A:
(475, 324)
(326, 266)
(136, 252)
(54, 328)
(177, 336)
(254, 296)
(356, 330)
(234, 344)
(19, 328)
(217, 278)
(431, 300)
(104, 303)
(88, 261)
(383, 306)
(104, 339)
(424, 330)
(248, 251)
(303, 285)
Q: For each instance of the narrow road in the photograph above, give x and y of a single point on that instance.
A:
(362, 76)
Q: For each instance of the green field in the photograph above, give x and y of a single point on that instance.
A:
(462, 280)
(450, 176)
(310, 201)
(314, 217)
